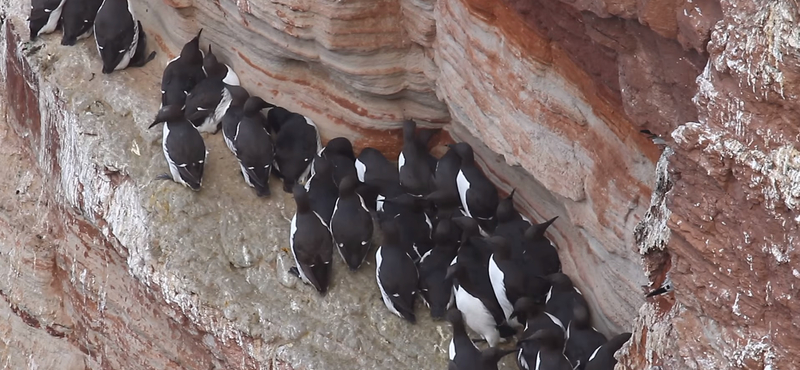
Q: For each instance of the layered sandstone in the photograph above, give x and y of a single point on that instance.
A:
(117, 270)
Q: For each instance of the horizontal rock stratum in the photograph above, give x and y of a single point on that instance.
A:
(106, 268)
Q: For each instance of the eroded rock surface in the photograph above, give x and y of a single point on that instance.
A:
(551, 94)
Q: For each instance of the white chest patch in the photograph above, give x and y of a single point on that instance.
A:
(477, 317)
(496, 276)
(463, 186)
(361, 170)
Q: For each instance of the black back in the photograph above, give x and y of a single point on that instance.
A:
(322, 191)
(186, 147)
(467, 355)
(183, 74)
(377, 171)
(351, 224)
(255, 151)
(77, 18)
(339, 151)
(434, 286)
(563, 298)
(550, 349)
(482, 197)
(114, 31)
(397, 273)
(311, 243)
(604, 357)
(539, 254)
(40, 14)
(444, 179)
(416, 175)
(234, 114)
(415, 226)
(295, 145)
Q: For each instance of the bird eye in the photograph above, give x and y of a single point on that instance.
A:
(122, 51)
(100, 47)
(307, 159)
(251, 168)
(201, 162)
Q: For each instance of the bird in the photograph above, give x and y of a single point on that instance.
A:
(44, 16)
(395, 272)
(463, 353)
(183, 73)
(665, 288)
(253, 147)
(339, 152)
(351, 225)
(378, 176)
(582, 338)
(507, 277)
(183, 147)
(511, 224)
(413, 167)
(414, 224)
(474, 294)
(322, 190)
(658, 140)
(297, 142)
(550, 354)
(538, 253)
(233, 115)
(436, 290)
(210, 99)
(478, 195)
(77, 19)
(119, 37)
(563, 297)
(603, 357)
(533, 314)
(445, 196)
(311, 243)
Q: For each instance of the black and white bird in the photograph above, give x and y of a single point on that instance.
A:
(297, 142)
(339, 152)
(322, 190)
(119, 37)
(563, 297)
(474, 295)
(665, 288)
(478, 195)
(507, 277)
(44, 16)
(252, 145)
(550, 354)
(413, 166)
(446, 197)
(351, 225)
(311, 243)
(538, 253)
(233, 115)
(396, 273)
(463, 353)
(77, 19)
(533, 314)
(582, 338)
(603, 357)
(436, 290)
(209, 100)
(379, 177)
(658, 140)
(183, 147)
(511, 225)
(415, 226)
(183, 73)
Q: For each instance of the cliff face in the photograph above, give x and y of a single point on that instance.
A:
(116, 270)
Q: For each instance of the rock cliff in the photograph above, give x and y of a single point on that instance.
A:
(107, 268)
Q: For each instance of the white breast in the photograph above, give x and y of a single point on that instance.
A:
(477, 317)
(231, 78)
(361, 170)
(496, 276)
(463, 186)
